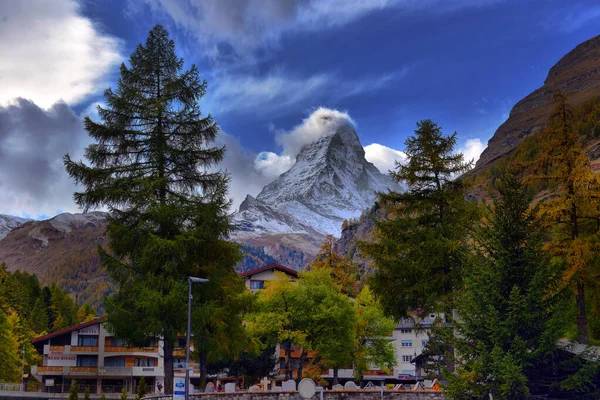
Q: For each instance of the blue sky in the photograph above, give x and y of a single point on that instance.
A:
(269, 65)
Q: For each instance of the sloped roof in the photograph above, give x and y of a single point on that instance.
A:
(67, 330)
(269, 267)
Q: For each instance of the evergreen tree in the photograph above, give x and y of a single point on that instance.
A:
(419, 250)
(74, 390)
(573, 210)
(141, 389)
(512, 309)
(168, 214)
(85, 313)
(123, 394)
(86, 393)
(39, 317)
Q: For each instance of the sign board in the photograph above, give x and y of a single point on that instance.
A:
(49, 382)
(179, 388)
(90, 330)
(62, 360)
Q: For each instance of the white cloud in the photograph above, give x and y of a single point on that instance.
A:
(472, 149)
(239, 163)
(383, 157)
(278, 91)
(269, 93)
(51, 52)
(318, 123)
(272, 165)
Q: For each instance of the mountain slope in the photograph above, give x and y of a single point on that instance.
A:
(577, 75)
(63, 250)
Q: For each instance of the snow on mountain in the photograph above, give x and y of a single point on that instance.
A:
(10, 222)
(330, 181)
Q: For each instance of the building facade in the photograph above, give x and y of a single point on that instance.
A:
(89, 354)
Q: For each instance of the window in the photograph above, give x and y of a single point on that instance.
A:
(114, 362)
(87, 361)
(405, 330)
(87, 341)
(406, 358)
(144, 362)
(257, 284)
(424, 342)
(406, 343)
(115, 342)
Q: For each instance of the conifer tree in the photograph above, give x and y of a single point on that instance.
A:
(168, 213)
(86, 393)
(512, 308)
(573, 210)
(39, 317)
(10, 366)
(74, 390)
(419, 250)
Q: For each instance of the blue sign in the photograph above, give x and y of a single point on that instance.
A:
(179, 389)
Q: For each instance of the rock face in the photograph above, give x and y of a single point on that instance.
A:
(330, 181)
(577, 75)
(8, 223)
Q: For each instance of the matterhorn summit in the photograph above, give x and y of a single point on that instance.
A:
(330, 181)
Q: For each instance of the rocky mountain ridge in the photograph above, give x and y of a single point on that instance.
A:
(10, 222)
(577, 75)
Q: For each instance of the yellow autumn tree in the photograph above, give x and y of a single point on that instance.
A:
(343, 271)
(571, 208)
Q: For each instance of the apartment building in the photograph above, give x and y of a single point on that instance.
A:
(410, 337)
(89, 354)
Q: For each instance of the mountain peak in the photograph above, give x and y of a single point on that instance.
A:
(330, 181)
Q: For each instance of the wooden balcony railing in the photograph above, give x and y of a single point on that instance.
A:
(90, 370)
(42, 369)
(125, 349)
(57, 348)
(88, 349)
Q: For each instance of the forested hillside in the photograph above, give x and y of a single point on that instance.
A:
(28, 310)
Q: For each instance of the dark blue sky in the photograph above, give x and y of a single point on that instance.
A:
(463, 66)
(385, 64)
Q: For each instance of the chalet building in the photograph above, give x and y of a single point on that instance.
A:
(255, 279)
(410, 337)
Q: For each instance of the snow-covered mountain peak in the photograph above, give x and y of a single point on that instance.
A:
(330, 181)
(10, 222)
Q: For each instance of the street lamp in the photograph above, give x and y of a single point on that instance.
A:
(191, 280)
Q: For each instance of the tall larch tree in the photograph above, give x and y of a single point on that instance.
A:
(419, 250)
(572, 211)
(152, 165)
(344, 273)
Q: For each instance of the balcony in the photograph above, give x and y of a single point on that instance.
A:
(84, 349)
(83, 370)
(125, 349)
(57, 348)
(46, 370)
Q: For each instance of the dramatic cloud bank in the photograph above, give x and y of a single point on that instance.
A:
(33, 180)
(50, 52)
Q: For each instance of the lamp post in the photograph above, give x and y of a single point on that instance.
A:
(191, 280)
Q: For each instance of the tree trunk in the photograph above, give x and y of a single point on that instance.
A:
(168, 358)
(303, 356)
(203, 366)
(335, 376)
(288, 356)
(581, 316)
